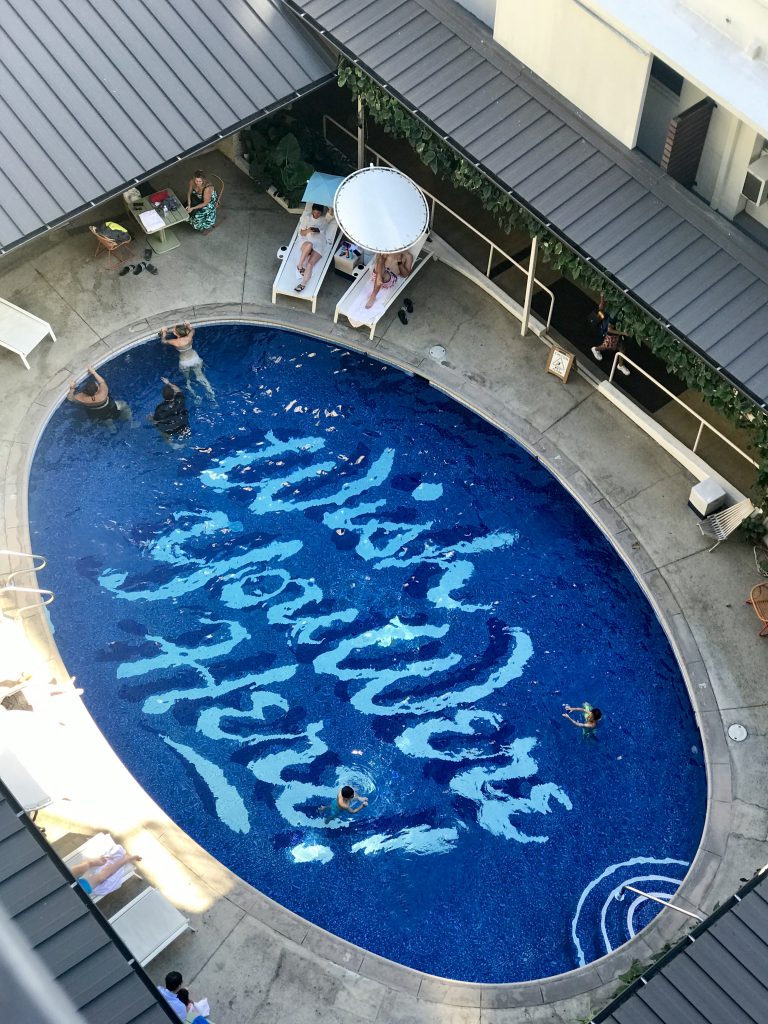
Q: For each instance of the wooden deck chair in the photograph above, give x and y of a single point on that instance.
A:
(101, 845)
(352, 303)
(109, 248)
(148, 924)
(721, 525)
(287, 276)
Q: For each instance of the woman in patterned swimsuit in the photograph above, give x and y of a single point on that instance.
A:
(201, 203)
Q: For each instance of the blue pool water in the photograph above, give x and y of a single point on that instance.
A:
(342, 576)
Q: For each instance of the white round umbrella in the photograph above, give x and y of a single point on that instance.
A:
(381, 209)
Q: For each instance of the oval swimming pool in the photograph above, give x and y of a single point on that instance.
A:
(342, 576)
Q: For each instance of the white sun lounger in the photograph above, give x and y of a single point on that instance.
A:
(287, 275)
(352, 303)
(21, 331)
(22, 783)
(102, 845)
(148, 924)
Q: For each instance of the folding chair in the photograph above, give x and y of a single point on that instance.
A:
(109, 247)
(722, 524)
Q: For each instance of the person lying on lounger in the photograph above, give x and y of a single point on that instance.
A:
(316, 228)
(95, 870)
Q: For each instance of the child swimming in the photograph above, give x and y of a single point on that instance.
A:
(343, 802)
(591, 715)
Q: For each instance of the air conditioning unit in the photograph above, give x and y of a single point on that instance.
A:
(755, 186)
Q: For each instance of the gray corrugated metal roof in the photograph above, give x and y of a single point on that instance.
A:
(66, 930)
(718, 977)
(674, 255)
(95, 95)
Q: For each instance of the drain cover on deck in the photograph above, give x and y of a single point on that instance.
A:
(437, 352)
(737, 732)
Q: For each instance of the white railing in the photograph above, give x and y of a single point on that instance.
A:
(434, 202)
(620, 357)
(38, 563)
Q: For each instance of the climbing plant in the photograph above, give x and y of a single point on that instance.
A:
(511, 216)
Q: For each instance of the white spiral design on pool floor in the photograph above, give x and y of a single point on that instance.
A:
(604, 892)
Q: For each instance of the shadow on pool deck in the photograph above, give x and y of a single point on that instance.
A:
(259, 965)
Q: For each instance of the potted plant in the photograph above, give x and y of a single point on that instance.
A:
(276, 163)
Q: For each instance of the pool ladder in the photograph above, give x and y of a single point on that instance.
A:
(9, 586)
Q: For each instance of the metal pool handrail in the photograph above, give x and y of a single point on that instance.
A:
(8, 577)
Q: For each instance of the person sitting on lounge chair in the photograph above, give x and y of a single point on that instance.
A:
(316, 227)
(93, 871)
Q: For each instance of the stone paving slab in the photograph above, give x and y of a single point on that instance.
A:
(255, 960)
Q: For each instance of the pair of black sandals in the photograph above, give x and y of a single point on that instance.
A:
(405, 309)
(138, 268)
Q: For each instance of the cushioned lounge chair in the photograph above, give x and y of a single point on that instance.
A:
(352, 303)
(288, 276)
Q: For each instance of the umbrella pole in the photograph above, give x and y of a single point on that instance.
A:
(360, 133)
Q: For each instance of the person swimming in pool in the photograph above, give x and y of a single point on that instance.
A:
(591, 716)
(181, 337)
(343, 802)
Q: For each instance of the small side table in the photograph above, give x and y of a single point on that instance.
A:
(345, 265)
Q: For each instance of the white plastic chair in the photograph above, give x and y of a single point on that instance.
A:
(148, 924)
(721, 525)
(288, 277)
(352, 303)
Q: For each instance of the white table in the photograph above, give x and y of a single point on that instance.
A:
(162, 239)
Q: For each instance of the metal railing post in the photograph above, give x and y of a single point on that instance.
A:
(529, 285)
(360, 132)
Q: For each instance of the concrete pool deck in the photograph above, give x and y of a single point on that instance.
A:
(256, 961)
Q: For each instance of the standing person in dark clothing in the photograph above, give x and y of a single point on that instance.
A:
(611, 339)
(97, 401)
(170, 416)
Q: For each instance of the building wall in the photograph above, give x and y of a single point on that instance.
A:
(592, 64)
(485, 10)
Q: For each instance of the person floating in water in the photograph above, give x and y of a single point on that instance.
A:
(343, 802)
(591, 716)
(181, 337)
(97, 401)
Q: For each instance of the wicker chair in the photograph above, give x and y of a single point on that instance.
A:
(759, 601)
(109, 247)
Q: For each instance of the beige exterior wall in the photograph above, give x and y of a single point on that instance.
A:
(592, 64)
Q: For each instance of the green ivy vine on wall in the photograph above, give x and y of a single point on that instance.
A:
(449, 165)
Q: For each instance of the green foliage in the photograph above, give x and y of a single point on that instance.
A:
(511, 216)
(284, 153)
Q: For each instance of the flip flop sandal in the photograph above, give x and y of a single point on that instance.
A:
(125, 270)
(137, 269)
(151, 268)
(408, 305)
(147, 254)
(401, 316)
(299, 287)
